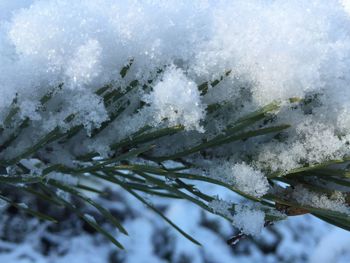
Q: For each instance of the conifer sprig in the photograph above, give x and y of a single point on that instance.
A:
(137, 168)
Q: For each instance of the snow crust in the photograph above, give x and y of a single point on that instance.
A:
(85, 44)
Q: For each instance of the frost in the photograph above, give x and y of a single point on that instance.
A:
(176, 98)
(249, 219)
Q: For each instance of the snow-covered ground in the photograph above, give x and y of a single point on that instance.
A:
(300, 239)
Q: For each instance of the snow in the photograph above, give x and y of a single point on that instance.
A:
(3, 204)
(274, 51)
(336, 202)
(249, 181)
(90, 218)
(243, 177)
(40, 42)
(186, 43)
(177, 99)
(85, 64)
(299, 239)
(63, 178)
(221, 207)
(23, 205)
(312, 142)
(334, 247)
(249, 219)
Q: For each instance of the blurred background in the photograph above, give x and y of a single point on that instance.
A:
(151, 240)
